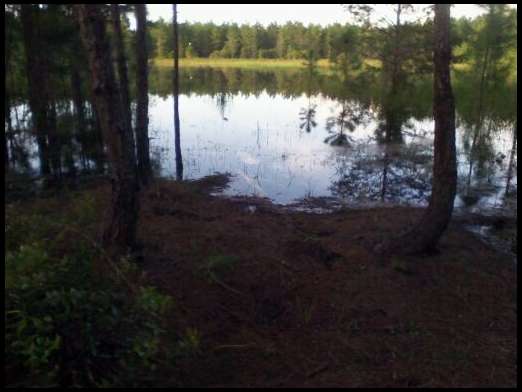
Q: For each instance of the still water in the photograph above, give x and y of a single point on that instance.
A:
(268, 130)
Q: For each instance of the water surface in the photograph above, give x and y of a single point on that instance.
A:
(268, 130)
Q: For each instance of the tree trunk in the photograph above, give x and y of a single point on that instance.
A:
(55, 141)
(8, 120)
(426, 233)
(120, 232)
(511, 161)
(79, 108)
(8, 131)
(396, 58)
(37, 83)
(99, 148)
(122, 69)
(7, 103)
(142, 109)
(177, 142)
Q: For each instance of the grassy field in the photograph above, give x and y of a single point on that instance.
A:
(324, 66)
(238, 63)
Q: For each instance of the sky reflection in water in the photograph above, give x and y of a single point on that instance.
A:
(258, 139)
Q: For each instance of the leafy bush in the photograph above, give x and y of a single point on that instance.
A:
(66, 326)
(268, 54)
(216, 266)
(216, 54)
(295, 54)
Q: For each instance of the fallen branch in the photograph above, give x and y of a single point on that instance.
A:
(319, 369)
(225, 286)
(234, 346)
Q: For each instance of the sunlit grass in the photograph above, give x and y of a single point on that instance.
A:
(323, 64)
(461, 66)
(238, 63)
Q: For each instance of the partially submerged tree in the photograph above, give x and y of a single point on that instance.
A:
(487, 49)
(307, 117)
(120, 232)
(177, 142)
(350, 116)
(425, 234)
(403, 48)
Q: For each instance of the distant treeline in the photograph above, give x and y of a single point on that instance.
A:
(289, 41)
(292, 40)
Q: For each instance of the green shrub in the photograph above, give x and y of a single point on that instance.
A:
(189, 344)
(65, 326)
(215, 267)
(268, 54)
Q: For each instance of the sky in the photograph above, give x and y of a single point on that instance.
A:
(323, 14)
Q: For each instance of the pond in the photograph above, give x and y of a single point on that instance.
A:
(268, 130)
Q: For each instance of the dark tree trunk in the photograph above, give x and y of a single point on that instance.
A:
(8, 120)
(8, 131)
(7, 103)
(386, 164)
(511, 160)
(396, 55)
(177, 142)
(55, 141)
(120, 232)
(99, 149)
(6, 154)
(79, 108)
(37, 84)
(426, 233)
(142, 108)
(122, 67)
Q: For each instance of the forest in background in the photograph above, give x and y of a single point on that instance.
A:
(294, 40)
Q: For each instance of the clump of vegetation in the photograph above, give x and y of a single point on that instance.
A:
(217, 266)
(68, 325)
(350, 116)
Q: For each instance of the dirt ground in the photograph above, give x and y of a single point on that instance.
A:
(293, 299)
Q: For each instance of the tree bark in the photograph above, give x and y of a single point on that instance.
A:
(511, 160)
(177, 142)
(396, 46)
(427, 232)
(122, 68)
(79, 108)
(120, 232)
(142, 108)
(7, 103)
(8, 130)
